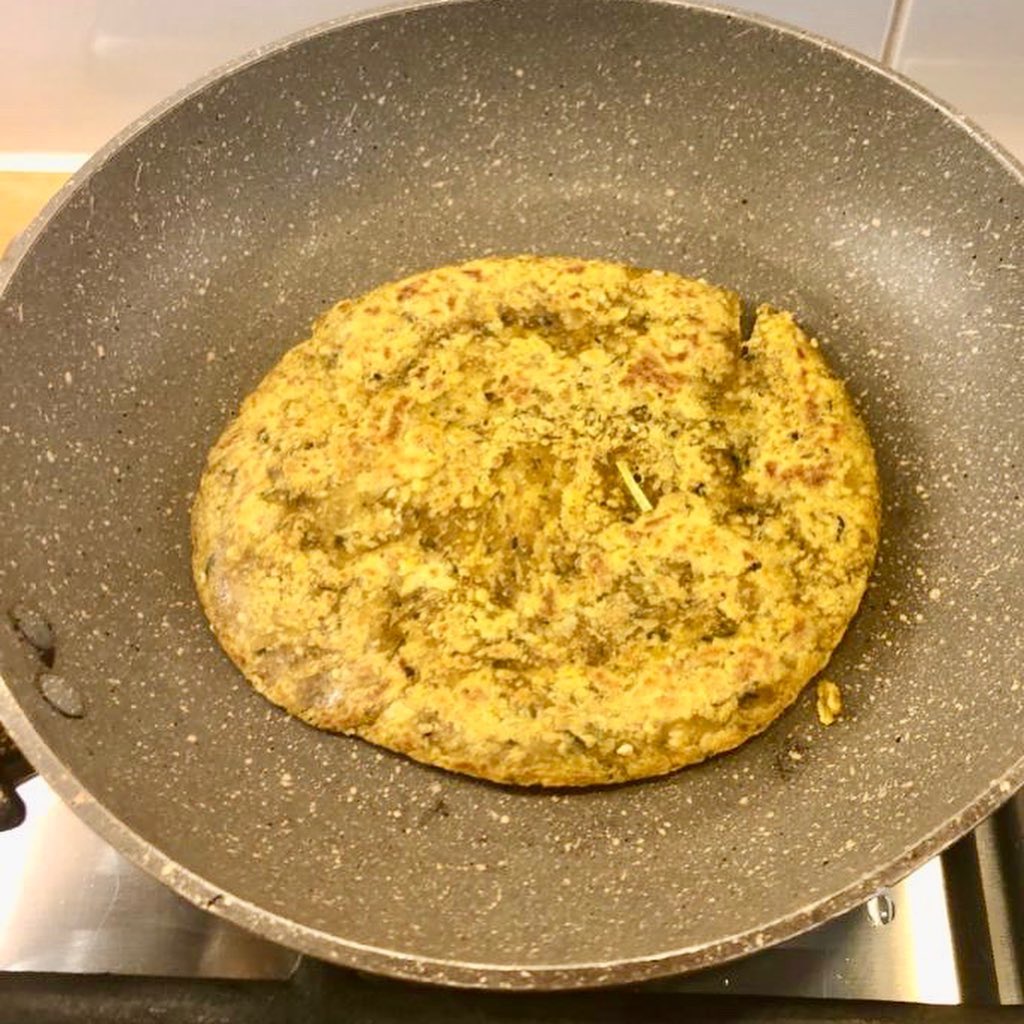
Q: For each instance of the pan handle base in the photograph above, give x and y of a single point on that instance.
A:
(12, 810)
(14, 770)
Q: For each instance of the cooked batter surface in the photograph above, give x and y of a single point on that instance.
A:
(540, 520)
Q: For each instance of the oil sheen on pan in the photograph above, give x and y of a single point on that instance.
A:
(540, 520)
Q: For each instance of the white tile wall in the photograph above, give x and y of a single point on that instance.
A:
(72, 72)
(971, 53)
(860, 24)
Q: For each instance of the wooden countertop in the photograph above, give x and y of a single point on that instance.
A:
(22, 196)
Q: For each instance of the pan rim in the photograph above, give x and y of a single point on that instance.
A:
(462, 973)
(411, 966)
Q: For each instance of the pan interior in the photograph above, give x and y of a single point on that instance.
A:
(666, 136)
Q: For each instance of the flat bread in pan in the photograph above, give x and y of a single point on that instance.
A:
(540, 520)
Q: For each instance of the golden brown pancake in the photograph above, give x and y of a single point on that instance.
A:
(540, 520)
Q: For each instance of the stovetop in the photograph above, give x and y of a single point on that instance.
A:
(950, 933)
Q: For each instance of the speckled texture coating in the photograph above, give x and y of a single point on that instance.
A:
(186, 258)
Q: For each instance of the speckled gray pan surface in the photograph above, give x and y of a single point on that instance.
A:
(188, 258)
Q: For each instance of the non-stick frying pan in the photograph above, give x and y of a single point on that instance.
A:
(192, 251)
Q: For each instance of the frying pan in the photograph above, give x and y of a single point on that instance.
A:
(194, 249)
